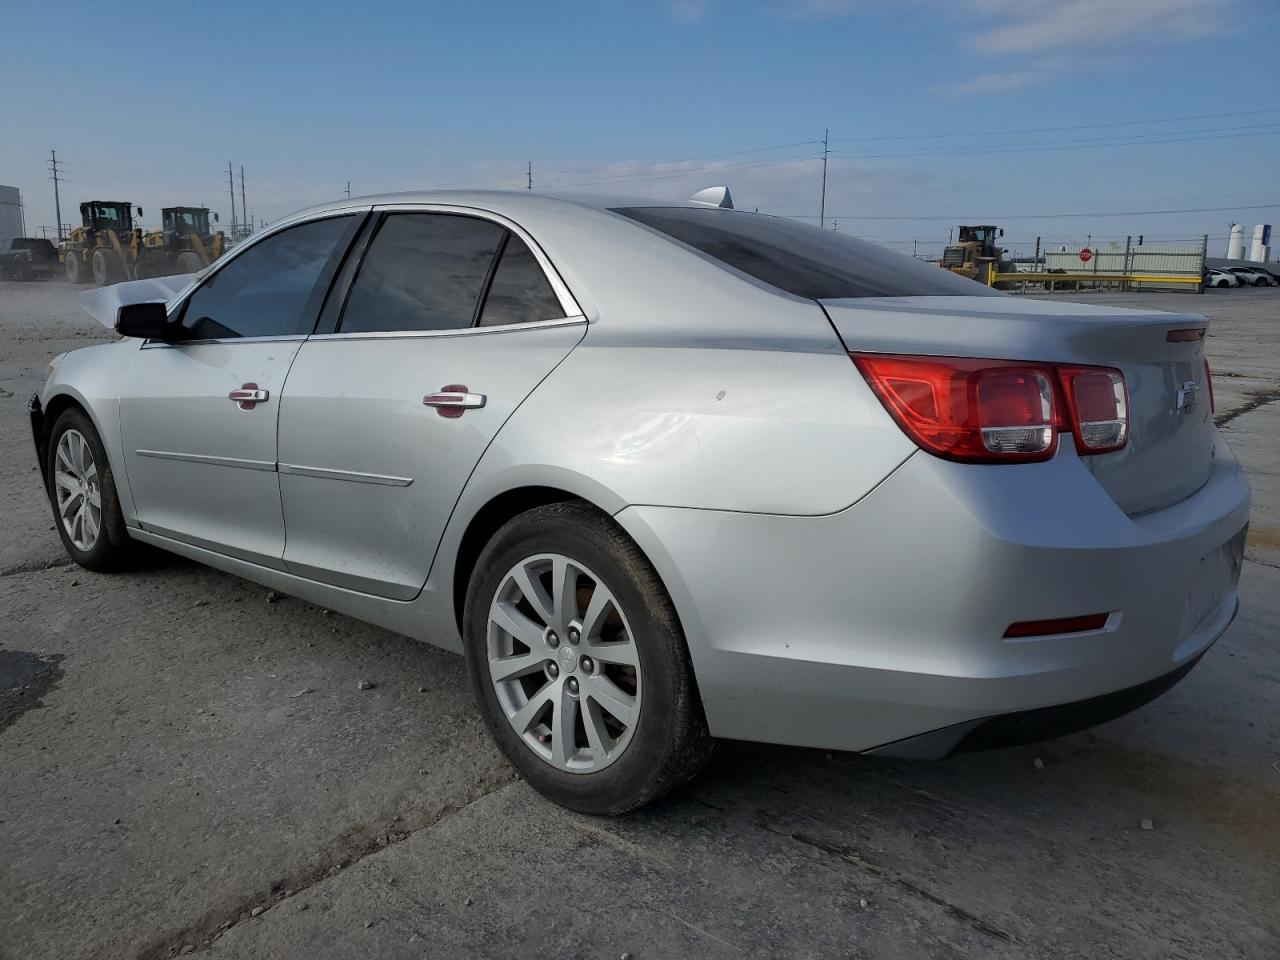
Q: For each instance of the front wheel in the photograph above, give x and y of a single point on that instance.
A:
(82, 491)
(578, 662)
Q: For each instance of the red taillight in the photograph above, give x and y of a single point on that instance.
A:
(998, 411)
(1047, 628)
(1098, 403)
(1208, 382)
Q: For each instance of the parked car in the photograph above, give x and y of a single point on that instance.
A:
(1251, 277)
(28, 258)
(671, 472)
(1214, 277)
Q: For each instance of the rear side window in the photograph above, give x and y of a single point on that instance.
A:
(801, 259)
(423, 271)
(519, 292)
(271, 289)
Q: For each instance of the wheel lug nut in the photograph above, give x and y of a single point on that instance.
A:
(553, 641)
(552, 670)
(588, 664)
(574, 635)
(573, 684)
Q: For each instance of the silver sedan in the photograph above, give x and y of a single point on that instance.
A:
(666, 473)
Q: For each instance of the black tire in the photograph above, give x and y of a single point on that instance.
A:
(113, 550)
(145, 270)
(669, 743)
(108, 268)
(189, 262)
(77, 270)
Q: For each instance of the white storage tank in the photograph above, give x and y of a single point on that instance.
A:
(1261, 251)
(10, 213)
(1235, 243)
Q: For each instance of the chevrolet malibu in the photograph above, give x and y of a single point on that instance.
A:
(670, 472)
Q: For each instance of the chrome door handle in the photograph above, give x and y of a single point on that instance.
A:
(454, 400)
(249, 396)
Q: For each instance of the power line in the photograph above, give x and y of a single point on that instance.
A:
(58, 201)
(826, 151)
(1039, 216)
(1050, 147)
(1083, 126)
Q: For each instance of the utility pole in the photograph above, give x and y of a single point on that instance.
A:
(348, 189)
(822, 213)
(244, 209)
(57, 200)
(231, 179)
(530, 186)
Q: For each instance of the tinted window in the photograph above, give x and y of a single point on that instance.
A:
(520, 292)
(423, 271)
(803, 260)
(267, 290)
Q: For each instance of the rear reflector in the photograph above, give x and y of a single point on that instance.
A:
(1046, 628)
(1185, 335)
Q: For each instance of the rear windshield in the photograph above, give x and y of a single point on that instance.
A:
(801, 259)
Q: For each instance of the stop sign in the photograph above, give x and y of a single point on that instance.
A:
(1086, 255)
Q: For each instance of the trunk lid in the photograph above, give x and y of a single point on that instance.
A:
(1171, 435)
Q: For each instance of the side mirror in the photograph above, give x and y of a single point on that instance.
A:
(139, 212)
(148, 321)
(215, 218)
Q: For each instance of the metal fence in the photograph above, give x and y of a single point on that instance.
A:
(1128, 258)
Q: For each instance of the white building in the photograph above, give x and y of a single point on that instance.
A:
(11, 220)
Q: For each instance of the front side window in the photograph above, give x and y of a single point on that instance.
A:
(801, 259)
(422, 271)
(267, 291)
(519, 292)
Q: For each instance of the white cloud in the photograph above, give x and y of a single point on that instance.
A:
(826, 8)
(994, 82)
(1032, 26)
(690, 11)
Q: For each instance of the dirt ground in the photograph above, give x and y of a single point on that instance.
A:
(188, 767)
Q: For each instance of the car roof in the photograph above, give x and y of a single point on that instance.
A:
(511, 201)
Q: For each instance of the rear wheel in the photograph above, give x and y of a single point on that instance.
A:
(189, 262)
(107, 267)
(578, 662)
(82, 491)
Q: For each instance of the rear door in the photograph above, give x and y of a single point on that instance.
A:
(201, 462)
(450, 321)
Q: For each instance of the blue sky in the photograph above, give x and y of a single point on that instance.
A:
(939, 113)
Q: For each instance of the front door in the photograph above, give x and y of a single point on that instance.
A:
(198, 412)
(450, 323)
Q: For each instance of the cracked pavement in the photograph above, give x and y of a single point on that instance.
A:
(185, 766)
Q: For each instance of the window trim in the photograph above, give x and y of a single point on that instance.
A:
(359, 211)
(573, 312)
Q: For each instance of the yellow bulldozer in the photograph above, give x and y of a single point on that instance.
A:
(107, 247)
(977, 254)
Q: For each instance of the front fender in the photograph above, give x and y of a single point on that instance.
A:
(91, 377)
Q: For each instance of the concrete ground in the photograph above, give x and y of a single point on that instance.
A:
(186, 766)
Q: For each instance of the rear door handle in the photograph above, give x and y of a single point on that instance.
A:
(454, 400)
(249, 396)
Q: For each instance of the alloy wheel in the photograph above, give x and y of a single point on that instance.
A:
(564, 663)
(79, 495)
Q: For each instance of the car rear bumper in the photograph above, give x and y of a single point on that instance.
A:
(885, 621)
